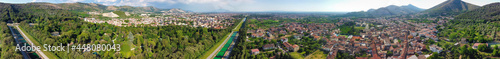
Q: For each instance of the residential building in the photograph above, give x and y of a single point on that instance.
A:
(255, 51)
(268, 46)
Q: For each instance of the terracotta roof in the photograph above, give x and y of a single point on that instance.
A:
(422, 57)
(255, 50)
(316, 37)
(268, 45)
(477, 44)
(286, 44)
(294, 46)
(356, 37)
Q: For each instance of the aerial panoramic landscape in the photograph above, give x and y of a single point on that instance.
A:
(250, 29)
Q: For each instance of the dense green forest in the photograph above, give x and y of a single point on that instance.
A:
(8, 44)
(164, 42)
(309, 44)
(348, 29)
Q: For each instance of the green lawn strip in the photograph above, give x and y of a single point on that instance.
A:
(485, 53)
(50, 55)
(296, 55)
(226, 46)
(213, 48)
(360, 28)
(238, 26)
(494, 45)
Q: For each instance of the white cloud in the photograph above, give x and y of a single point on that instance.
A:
(105, 0)
(481, 2)
(359, 5)
(363, 5)
(266, 5)
(71, 1)
(146, 2)
(131, 2)
(58, 1)
(206, 5)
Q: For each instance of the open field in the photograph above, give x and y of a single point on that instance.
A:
(317, 55)
(296, 55)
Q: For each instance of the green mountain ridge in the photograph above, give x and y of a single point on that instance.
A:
(487, 12)
(477, 26)
(450, 7)
(99, 7)
(79, 6)
(19, 12)
(387, 11)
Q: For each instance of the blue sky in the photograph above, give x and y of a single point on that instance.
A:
(264, 5)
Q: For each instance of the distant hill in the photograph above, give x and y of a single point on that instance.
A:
(450, 7)
(221, 10)
(487, 12)
(99, 7)
(120, 13)
(387, 11)
(175, 10)
(78, 6)
(134, 9)
(19, 12)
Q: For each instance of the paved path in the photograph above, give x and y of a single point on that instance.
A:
(224, 42)
(25, 54)
(39, 52)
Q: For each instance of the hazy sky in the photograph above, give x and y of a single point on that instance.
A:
(264, 5)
